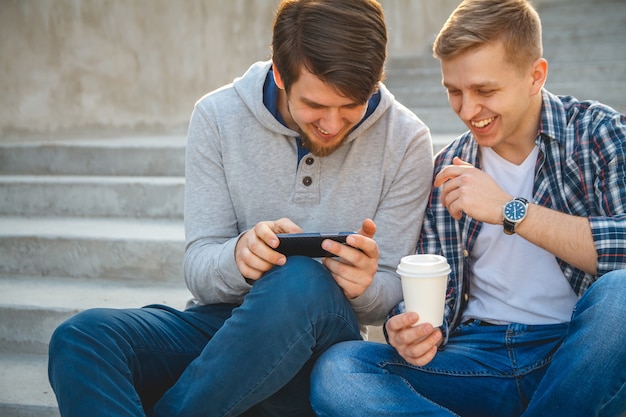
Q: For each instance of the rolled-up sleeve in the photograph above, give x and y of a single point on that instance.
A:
(609, 236)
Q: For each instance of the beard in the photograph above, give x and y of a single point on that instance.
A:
(314, 148)
(319, 150)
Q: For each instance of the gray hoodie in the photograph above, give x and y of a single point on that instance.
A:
(242, 168)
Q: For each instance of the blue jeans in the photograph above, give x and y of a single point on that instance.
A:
(571, 369)
(213, 360)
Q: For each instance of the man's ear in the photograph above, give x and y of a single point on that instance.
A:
(277, 78)
(539, 74)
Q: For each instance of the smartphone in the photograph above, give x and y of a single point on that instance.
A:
(308, 244)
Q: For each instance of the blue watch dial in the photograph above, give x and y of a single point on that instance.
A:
(515, 210)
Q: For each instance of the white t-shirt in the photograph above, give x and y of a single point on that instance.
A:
(513, 280)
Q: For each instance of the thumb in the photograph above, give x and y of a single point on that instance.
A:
(368, 228)
(459, 162)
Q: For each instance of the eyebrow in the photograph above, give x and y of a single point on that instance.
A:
(316, 104)
(474, 86)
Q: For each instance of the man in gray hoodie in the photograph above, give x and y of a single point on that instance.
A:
(311, 141)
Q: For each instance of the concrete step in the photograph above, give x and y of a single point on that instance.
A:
(571, 16)
(32, 307)
(586, 51)
(442, 121)
(406, 72)
(423, 66)
(133, 249)
(24, 387)
(576, 70)
(142, 156)
(417, 95)
(100, 196)
(588, 31)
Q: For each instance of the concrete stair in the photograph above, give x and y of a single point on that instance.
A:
(584, 42)
(83, 223)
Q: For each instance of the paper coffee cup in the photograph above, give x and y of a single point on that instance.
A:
(424, 282)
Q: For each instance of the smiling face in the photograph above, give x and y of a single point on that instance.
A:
(322, 116)
(499, 102)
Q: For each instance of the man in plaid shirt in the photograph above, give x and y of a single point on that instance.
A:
(528, 207)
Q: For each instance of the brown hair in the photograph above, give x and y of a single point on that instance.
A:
(342, 42)
(475, 23)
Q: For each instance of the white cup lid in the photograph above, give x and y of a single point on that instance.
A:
(423, 265)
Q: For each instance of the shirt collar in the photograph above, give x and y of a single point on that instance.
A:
(553, 117)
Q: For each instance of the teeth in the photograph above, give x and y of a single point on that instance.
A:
(322, 130)
(482, 123)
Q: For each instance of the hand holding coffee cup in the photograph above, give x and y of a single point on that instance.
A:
(424, 282)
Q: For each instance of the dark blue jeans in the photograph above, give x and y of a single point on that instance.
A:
(213, 360)
(575, 369)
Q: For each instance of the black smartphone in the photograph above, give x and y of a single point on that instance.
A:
(308, 244)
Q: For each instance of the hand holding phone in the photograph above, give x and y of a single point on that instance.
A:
(308, 244)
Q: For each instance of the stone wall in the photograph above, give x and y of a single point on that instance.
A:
(98, 67)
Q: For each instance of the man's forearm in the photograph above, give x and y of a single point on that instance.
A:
(567, 237)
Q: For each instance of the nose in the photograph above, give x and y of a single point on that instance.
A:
(468, 107)
(332, 120)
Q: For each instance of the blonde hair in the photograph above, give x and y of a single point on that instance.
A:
(475, 23)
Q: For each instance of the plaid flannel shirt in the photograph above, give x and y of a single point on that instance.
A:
(580, 170)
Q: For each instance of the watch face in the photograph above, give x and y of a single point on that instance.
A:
(515, 210)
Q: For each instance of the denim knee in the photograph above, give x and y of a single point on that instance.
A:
(614, 282)
(329, 376)
(71, 330)
(337, 362)
(73, 343)
(300, 282)
(601, 310)
(605, 298)
(349, 379)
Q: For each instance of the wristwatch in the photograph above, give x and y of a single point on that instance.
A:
(514, 212)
